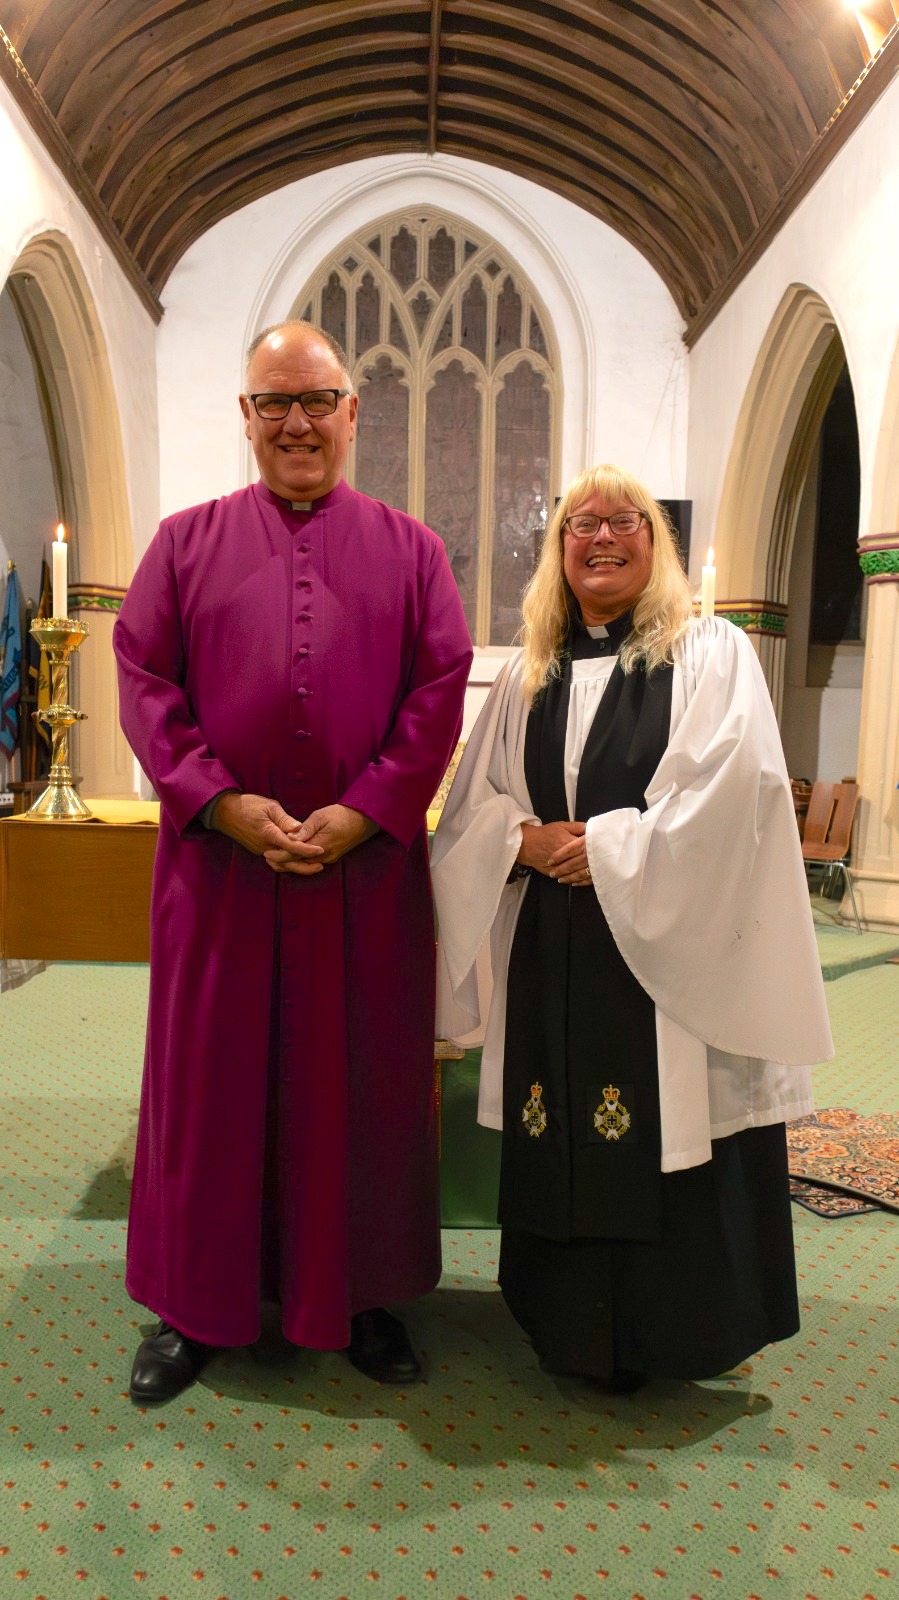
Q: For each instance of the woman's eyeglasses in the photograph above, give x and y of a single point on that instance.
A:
(582, 526)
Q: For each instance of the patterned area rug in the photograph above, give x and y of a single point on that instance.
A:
(827, 1202)
(843, 1163)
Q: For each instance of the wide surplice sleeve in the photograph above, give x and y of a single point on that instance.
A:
(477, 840)
(155, 710)
(396, 788)
(705, 891)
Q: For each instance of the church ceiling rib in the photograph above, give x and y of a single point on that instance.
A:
(684, 124)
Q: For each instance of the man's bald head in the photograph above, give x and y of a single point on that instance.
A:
(295, 330)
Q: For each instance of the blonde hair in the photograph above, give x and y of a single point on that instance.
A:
(661, 614)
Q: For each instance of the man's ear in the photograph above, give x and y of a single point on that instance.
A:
(353, 404)
(244, 403)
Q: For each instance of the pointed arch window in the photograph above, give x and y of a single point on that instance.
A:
(454, 357)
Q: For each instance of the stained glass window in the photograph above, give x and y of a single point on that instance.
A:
(453, 356)
(382, 447)
(368, 314)
(333, 312)
(508, 319)
(397, 333)
(403, 258)
(520, 493)
(452, 475)
(441, 259)
(473, 334)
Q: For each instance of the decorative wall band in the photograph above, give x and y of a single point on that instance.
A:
(755, 616)
(878, 557)
(94, 597)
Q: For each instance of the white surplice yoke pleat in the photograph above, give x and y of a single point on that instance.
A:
(704, 893)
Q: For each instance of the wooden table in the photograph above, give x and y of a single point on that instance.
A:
(95, 875)
(79, 891)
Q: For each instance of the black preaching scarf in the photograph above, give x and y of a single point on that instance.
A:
(582, 1140)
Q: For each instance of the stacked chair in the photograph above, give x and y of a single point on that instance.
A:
(826, 828)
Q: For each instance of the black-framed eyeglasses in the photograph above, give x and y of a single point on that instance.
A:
(583, 526)
(315, 403)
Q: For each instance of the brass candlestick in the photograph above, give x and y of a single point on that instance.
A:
(60, 801)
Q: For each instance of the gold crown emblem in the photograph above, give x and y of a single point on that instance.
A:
(612, 1119)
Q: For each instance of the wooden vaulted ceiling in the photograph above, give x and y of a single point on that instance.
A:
(688, 125)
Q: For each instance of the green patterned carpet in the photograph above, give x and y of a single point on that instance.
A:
(286, 1474)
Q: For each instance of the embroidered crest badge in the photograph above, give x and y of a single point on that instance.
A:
(533, 1113)
(611, 1119)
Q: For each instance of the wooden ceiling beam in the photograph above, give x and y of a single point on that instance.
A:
(624, 168)
(299, 134)
(106, 122)
(630, 148)
(649, 47)
(710, 125)
(42, 122)
(691, 126)
(152, 162)
(685, 291)
(130, 42)
(672, 254)
(734, 32)
(228, 193)
(608, 116)
(434, 74)
(856, 105)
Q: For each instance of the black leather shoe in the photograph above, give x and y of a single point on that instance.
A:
(166, 1363)
(379, 1346)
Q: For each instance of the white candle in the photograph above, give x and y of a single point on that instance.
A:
(707, 604)
(60, 574)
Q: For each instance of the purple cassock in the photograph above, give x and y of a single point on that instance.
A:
(286, 1146)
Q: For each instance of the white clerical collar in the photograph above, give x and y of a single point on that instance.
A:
(600, 632)
(301, 505)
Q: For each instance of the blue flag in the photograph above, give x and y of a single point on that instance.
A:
(10, 667)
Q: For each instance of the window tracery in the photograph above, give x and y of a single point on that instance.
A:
(454, 358)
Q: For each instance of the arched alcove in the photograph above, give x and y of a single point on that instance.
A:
(815, 568)
(774, 446)
(67, 347)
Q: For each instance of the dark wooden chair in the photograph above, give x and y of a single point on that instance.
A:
(802, 794)
(828, 826)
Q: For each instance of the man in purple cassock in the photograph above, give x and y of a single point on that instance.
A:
(292, 664)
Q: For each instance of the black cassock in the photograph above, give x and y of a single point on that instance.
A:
(606, 1262)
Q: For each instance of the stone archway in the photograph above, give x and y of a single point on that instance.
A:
(774, 444)
(68, 349)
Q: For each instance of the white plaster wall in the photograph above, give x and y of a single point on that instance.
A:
(36, 199)
(842, 242)
(623, 362)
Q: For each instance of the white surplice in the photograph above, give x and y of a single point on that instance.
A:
(704, 893)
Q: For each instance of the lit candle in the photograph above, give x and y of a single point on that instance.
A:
(60, 574)
(707, 604)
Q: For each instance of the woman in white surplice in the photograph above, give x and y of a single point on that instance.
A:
(621, 837)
